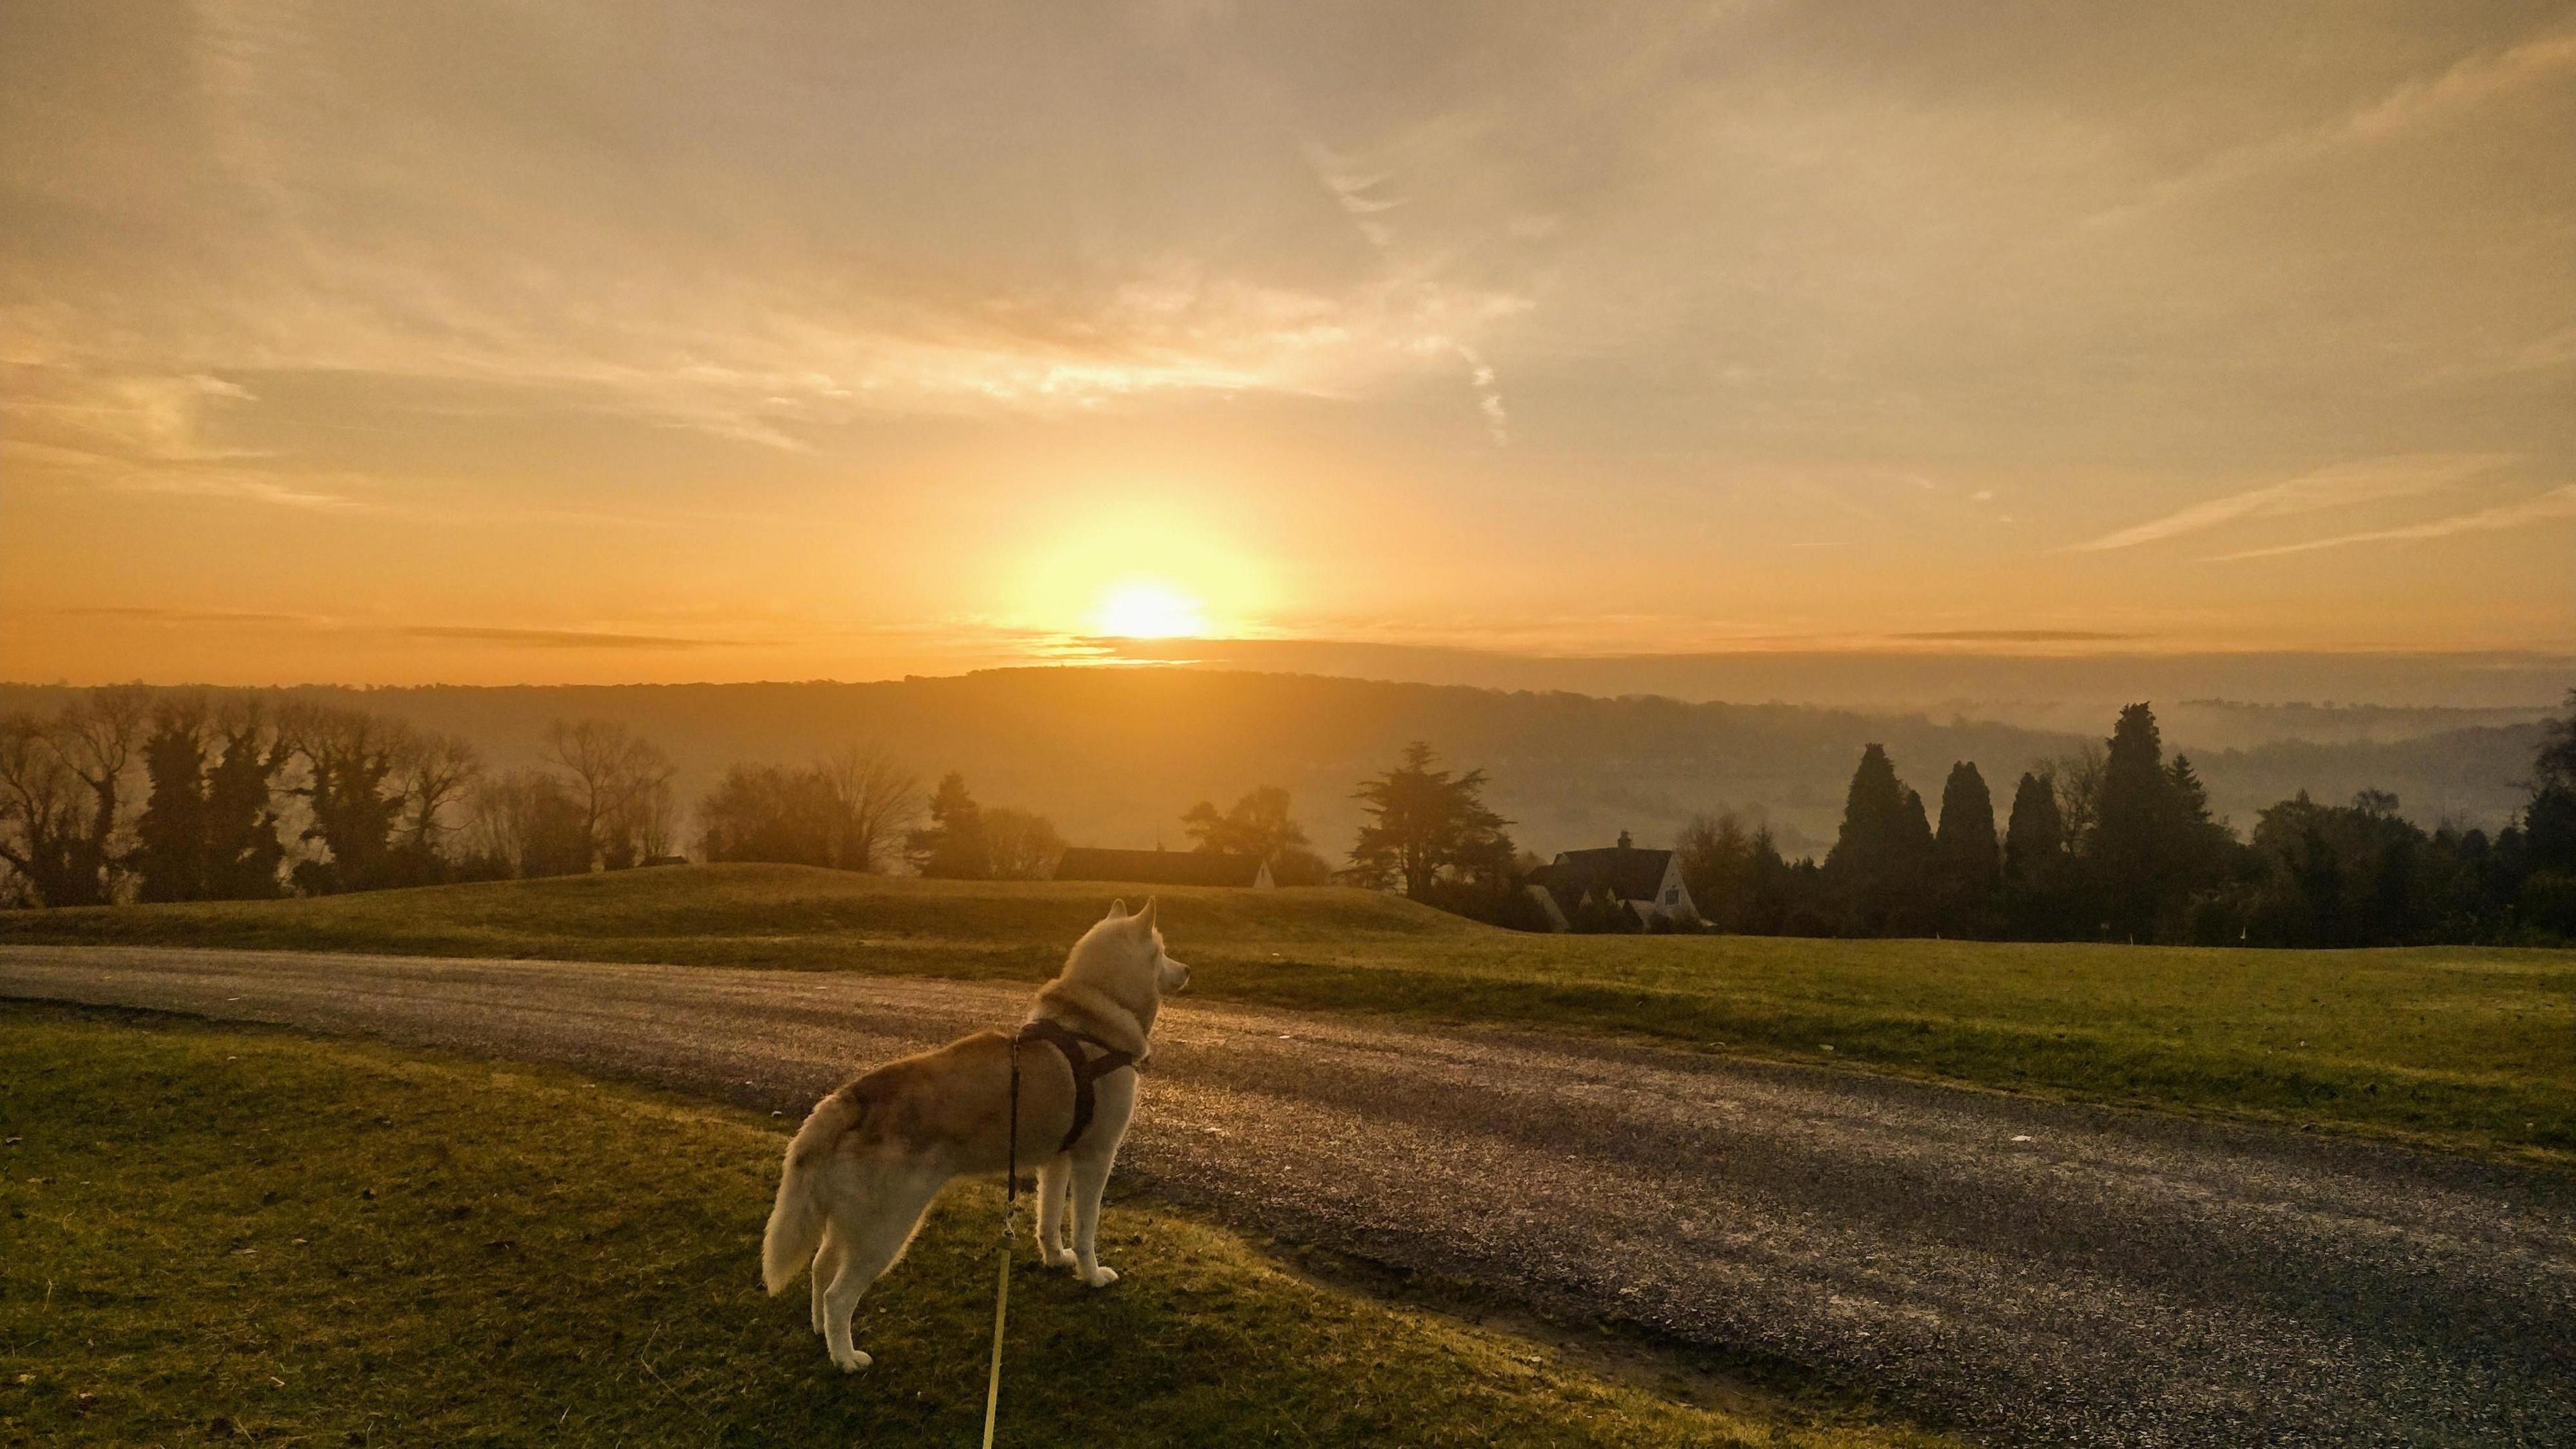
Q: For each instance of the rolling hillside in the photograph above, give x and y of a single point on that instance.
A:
(1115, 755)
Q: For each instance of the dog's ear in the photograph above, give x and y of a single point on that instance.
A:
(1117, 909)
(1145, 917)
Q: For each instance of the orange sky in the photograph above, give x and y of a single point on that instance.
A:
(610, 342)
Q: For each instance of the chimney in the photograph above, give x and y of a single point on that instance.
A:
(1623, 840)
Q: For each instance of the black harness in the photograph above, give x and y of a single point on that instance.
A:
(1086, 1070)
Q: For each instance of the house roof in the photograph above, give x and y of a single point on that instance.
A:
(1629, 873)
(1159, 867)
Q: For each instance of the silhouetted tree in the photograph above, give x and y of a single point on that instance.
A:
(244, 849)
(1967, 864)
(1718, 863)
(1260, 826)
(2076, 779)
(63, 795)
(1428, 826)
(846, 811)
(621, 782)
(768, 813)
(874, 802)
(2336, 876)
(64, 830)
(1019, 845)
(525, 824)
(2035, 860)
(170, 834)
(433, 775)
(2545, 897)
(2154, 843)
(1883, 853)
(348, 757)
(951, 846)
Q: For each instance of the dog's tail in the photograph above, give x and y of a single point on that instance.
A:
(796, 1219)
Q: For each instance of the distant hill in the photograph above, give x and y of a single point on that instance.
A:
(1115, 755)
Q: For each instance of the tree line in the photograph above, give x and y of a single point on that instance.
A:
(2115, 842)
(239, 798)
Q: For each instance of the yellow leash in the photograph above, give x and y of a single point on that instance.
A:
(1002, 1283)
(1001, 1305)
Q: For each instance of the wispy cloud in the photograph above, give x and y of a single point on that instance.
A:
(1357, 186)
(564, 638)
(2015, 636)
(2343, 485)
(2555, 504)
(226, 617)
(250, 485)
(2420, 102)
(220, 619)
(1489, 397)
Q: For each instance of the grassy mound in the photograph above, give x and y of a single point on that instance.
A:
(754, 915)
(2457, 1046)
(228, 1235)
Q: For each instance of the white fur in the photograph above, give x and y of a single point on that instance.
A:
(851, 1196)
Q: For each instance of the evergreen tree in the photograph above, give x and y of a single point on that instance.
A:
(170, 836)
(2544, 898)
(2133, 839)
(2035, 860)
(1776, 886)
(1882, 853)
(1968, 865)
(2153, 843)
(2549, 821)
(348, 758)
(952, 846)
(243, 849)
(1426, 826)
(2035, 840)
(2199, 844)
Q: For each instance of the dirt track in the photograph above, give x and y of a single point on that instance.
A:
(2032, 1272)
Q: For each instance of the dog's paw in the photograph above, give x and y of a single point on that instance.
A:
(1055, 1257)
(857, 1360)
(1101, 1277)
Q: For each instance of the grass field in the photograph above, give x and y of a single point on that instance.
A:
(2463, 1047)
(226, 1235)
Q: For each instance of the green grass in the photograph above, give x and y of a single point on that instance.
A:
(2461, 1047)
(220, 1234)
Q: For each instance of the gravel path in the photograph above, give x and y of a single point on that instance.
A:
(2033, 1272)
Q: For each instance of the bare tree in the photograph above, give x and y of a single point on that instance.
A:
(649, 824)
(101, 738)
(499, 819)
(1020, 845)
(524, 823)
(621, 782)
(438, 772)
(876, 802)
(2077, 778)
(62, 785)
(40, 816)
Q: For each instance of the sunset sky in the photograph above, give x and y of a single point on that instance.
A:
(548, 342)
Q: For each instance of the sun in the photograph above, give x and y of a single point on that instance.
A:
(1151, 609)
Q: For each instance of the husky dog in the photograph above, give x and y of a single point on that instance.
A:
(871, 1156)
